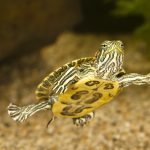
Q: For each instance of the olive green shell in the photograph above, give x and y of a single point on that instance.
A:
(44, 89)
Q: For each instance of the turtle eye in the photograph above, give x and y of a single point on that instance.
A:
(122, 45)
(103, 46)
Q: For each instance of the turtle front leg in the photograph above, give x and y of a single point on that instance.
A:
(20, 114)
(134, 78)
(83, 120)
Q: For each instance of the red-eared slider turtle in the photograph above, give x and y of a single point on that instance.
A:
(78, 88)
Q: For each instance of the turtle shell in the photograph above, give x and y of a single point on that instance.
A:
(45, 88)
(85, 96)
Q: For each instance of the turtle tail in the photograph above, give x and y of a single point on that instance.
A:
(20, 114)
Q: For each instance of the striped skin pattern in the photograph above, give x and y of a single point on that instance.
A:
(134, 78)
(107, 65)
(57, 81)
(26, 112)
(69, 92)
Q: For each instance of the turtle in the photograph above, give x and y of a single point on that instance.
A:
(77, 89)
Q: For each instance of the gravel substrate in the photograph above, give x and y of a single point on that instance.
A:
(123, 124)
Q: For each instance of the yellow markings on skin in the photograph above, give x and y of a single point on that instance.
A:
(45, 88)
(85, 96)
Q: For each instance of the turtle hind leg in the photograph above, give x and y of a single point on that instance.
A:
(20, 114)
(83, 120)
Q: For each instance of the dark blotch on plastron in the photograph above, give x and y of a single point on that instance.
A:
(67, 108)
(75, 97)
(91, 83)
(66, 112)
(108, 86)
(65, 103)
(96, 97)
(82, 92)
(111, 95)
(78, 94)
(81, 108)
(95, 89)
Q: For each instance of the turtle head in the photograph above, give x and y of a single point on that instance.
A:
(110, 58)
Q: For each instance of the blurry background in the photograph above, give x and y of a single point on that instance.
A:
(36, 37)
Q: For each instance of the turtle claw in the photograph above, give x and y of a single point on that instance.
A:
(80, 122)
(50, 121)
(83, 120)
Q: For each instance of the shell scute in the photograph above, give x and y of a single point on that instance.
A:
(89, 96)
(44, 89)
